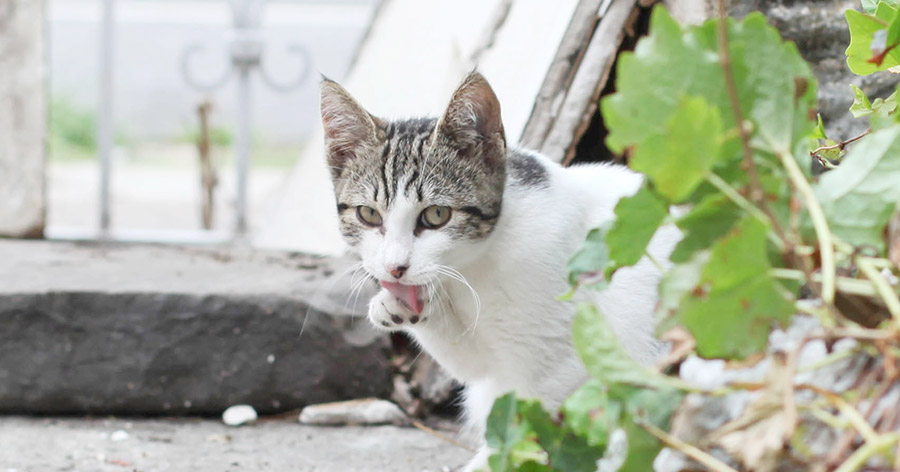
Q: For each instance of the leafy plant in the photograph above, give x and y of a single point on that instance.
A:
(729, 132)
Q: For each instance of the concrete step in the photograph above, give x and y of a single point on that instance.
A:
(143, 329)
(114, 445)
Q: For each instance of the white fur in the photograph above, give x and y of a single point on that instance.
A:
(520, 339)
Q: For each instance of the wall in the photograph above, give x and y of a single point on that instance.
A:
(22, 118)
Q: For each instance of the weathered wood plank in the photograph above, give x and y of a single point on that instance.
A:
(580, 101)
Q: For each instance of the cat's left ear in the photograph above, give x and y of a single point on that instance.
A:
(472, 122)
(349, 128)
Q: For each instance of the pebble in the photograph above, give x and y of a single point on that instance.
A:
(118, 436)
(239, 414)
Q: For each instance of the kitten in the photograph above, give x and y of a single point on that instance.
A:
(469, 240)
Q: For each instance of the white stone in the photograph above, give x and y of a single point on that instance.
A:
(239, 414)
(118, 435)
(368, 411)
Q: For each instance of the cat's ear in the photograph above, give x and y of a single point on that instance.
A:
(472, 122)
(349, 128)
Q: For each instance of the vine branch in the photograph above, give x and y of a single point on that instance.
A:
(840, 145)
(756, 191)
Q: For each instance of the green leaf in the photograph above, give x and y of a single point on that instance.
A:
(590, 415)
(504, 432)
(677, 160)
(775, 86)
(708, 221)
(863, 29)
(637, 219)
(654, 406)
(861, 105)
(586, 266)
(566, 451)
(859, 197)
(819, 132)
(602, 353)
(871, 5)
(884, 112)
(735, 302)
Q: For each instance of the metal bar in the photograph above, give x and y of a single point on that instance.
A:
(242, 148)
(105, 122)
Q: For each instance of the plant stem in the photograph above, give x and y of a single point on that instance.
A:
(689, 450)
(745, 204)
(757, 195)
(820, 223)
(843, 284)
(862, 455)
(867, 267)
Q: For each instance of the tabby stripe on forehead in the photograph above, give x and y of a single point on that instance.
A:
(412, 179)
(399, 161)
(477, 213)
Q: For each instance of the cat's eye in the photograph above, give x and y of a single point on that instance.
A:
(434, 217)
(368, 215)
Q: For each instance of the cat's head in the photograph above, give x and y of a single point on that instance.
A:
(413, 195)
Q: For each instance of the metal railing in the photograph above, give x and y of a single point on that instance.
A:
(245, 49)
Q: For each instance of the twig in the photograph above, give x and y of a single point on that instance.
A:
(687, 449)
(756, 192)
(440, 435)
(840, 145)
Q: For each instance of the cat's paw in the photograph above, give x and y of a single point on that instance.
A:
(386, 311)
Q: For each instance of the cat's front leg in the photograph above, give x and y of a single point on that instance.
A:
(386, 311)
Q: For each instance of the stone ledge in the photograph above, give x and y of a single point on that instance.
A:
(92, 328)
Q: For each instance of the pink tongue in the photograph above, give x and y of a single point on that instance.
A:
(408, 294)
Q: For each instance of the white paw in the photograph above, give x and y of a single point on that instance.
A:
(386, 311)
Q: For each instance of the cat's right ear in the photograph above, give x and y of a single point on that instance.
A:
(349, 128)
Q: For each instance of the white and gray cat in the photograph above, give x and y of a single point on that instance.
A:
(469, 240)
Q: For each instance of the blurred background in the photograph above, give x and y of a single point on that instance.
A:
(167, 59)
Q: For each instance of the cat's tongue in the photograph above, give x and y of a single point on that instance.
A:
(408, 294)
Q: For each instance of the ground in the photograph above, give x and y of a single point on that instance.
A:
(31, 444)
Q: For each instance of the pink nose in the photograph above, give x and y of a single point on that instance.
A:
(398, 271)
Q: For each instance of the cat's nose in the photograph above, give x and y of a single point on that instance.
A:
(398, 271)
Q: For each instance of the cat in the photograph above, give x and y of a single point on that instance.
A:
(469, 240)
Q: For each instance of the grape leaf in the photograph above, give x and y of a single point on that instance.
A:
(861, 105)
(643, 405)
(678, 159)
(869, 6)
(819, 132)
(565, 450)
(586, 267)
(860, 195)
(775, 86)
(708, 221)
(861, 58)
(504, 432)
(603, 354)
(637, 218)
(589, 413)
(735, 302)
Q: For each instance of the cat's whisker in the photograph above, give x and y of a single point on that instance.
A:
(354, 269)
(456, 275)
